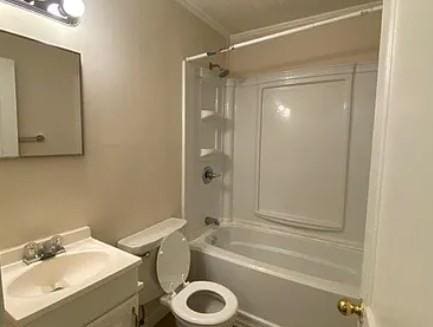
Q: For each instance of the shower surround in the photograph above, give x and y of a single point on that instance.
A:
(294, 150)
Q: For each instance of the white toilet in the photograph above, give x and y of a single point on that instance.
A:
(193, 304)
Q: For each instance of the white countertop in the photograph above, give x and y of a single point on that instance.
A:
(23, 309)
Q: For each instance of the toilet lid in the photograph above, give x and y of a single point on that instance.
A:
(173, 261)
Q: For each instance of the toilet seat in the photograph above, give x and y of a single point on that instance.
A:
(172, 269)
(179, 304)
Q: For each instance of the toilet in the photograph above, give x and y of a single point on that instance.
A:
(193, 304)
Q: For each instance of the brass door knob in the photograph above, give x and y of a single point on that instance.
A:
(347, 308)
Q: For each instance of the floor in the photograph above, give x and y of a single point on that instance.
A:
(168, 321)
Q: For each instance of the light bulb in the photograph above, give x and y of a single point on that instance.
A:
(73, 8)
(53, 9)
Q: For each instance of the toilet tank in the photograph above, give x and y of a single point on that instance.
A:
(145, 244)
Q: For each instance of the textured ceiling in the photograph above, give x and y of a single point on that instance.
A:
(236, 16)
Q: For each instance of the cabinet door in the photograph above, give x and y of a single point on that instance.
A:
(125, 315)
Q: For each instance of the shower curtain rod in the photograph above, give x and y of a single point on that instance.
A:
(294, 30)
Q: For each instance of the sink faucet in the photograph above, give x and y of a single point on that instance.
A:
(34, 252)
(211, 221)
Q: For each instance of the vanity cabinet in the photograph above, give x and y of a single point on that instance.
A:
(125, 315)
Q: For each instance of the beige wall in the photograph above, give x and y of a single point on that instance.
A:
(354, 40)
(130, 175)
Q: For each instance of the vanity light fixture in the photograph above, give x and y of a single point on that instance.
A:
(65, 11)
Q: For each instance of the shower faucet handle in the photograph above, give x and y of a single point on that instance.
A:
(209, 175)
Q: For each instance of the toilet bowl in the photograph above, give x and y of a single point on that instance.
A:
(203, 304)
(193, 304)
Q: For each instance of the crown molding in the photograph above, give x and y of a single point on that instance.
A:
(187, 4)
(255, 33)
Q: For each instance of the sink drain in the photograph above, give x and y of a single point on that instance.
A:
(59, 286)
(57, 289)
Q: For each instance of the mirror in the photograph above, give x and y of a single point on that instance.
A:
(40, 99)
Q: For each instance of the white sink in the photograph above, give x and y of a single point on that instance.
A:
(58, 274)
(34, 293)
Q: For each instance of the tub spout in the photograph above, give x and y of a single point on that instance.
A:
(211, 221)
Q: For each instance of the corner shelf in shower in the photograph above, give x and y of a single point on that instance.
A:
(209, 153)
(210, 115)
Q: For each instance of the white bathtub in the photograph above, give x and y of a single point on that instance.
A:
(280, 279)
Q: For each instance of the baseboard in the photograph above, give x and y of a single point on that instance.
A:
(245, 319)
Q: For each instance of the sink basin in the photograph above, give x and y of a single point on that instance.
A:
(58, 274)
(91, 277)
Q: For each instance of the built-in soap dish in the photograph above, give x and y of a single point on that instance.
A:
(210, 115)
(209, 153)
(144, 241)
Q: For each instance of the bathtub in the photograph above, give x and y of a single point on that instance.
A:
(280, 279)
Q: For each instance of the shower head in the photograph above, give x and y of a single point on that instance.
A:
(222, 72)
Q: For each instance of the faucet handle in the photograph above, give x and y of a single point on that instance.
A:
(32, 252)
(53, 245)
(57, 242)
